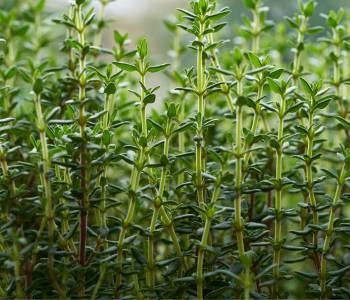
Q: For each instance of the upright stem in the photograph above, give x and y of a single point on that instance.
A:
(204, 241)
(45, 177)
(224, 86)
(181, 139)
(17, 266)
(102, 214)
(337, 81)
(9, 60)
(151, 274)
(256, 28)
(105, 126)
(238, 186)
(238, 173)
(297, 56)
(135, 179)
(84, 172)
(254, 126)
(296, 75)
(309, 178)
(278, 202)
(12, 194)
(134, 184)
(330, 230)
(200, 109)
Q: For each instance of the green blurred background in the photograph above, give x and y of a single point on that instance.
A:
(145, 17)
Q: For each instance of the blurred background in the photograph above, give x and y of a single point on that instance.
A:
(145, 17)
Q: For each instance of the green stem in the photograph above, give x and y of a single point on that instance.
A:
(134, 184)
(150, 275)
(102, 214)
(9, 59)
(181, 139)
(204, 241)
(256, 28)
(200, 258)
(278, 202)
(330, 230)
(238, 185)
(169, 224)
(299, 50)
(224, 86)
(45, 176)
(84, 172)
(17, 266)
(135, 179)
(100, 281)
(105, 127)
(200, 109)
(254, 126)
(309, 177)
(238, 179)
(5, 215)
(296, 75)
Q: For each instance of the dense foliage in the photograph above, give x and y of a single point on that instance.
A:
(235, 185)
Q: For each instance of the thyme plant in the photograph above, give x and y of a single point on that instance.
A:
(228, 181)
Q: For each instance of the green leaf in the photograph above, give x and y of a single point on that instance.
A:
(250, 3)
(339, 272)
(164, 160)
(254, 59)
(331, 21)
(276, 73)
(110, 89)
(343, 122)
(11, 73)
(106, 137)
(314, 30)
(2, 44)
(52, 113)
(309, 8)
(138, 256)
(221, 71)
(265, 271)
(219, 15)
(306, 87)
(119, 38)
(237, 56)
(218, 27)
(309, 275)
(143, 141)
(142, 48)
(171, 113)
(157, 68)
(321, 104)
(125, 66)
(40, 5)
(246, 101)
(292, 23)
(38, 86)
(186, 12)
(274, 86)
(7, 120)
(203, 6)
(150, 98)
(254, 225)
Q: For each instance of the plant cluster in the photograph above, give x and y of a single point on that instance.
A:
(234, 185)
